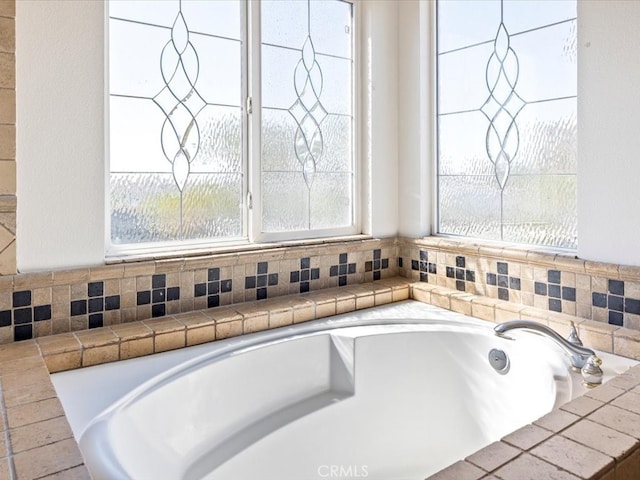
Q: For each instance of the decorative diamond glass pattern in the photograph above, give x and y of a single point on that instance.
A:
(507, 157)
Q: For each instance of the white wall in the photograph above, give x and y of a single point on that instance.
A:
(60, 133)
(609, 131)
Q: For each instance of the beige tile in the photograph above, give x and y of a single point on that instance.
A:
(76, 473)
(624, 381)
(19, 350)
(194, 319)
(604, 393)
(256, 323)
(26, 414)
(28, 394)
(384, 297)
(38, 434)
(169, 341)
(528, 467)
(7, 177)
(228, 329)
(100, 355)
(138, 347)
(199, 335)
(597, 335)
(629, 401)
(304, 312)
(22, 378)
(164, 325)
(49, 459)
(629, 468)
(582, 406)
(8, 8)
(618, 419)
(97, 337)
(557, 420)
(7, 149)
(573, 457)
(527, 437)
(601, 438)
(61, 362)
(280, 318)
(493, 456)
(131, 331)
(626, 342)
(459, 471)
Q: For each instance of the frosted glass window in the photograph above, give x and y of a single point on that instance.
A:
(507, 150)
(180, 145)
(307, 171)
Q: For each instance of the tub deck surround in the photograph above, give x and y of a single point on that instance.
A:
(50, 451)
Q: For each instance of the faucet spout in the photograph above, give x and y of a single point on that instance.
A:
(578, 355)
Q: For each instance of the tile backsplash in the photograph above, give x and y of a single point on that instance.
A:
(46, 303)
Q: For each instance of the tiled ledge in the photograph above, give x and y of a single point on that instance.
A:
(38, 443)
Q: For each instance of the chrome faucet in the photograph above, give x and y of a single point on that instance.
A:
(578, 354)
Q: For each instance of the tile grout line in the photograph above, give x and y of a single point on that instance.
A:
(7, 438)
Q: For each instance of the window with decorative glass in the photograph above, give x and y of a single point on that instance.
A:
(506, 120)
(229, 121)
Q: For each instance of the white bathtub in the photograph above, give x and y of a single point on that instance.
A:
(396, 392)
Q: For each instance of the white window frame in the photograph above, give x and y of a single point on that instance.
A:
(251, 156)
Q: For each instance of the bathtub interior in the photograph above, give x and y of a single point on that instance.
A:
(392, 401)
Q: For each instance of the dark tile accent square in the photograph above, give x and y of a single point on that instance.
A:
(143, 298)
(503, 281)
(261, 293)
(424, 277)
(631, 305)
(249, 282)
(553, 276)
(342, 258)
(616, 287)
(450, 272)
(460, 285)
(79, 307)
(273, 278)
(263, 268)
(378, 263)
(315, 273)
(262, 280)
(305, 275)
(95, 289)
(22, 298)
(294, 277)
(423, 266)
(42, 312)
(460, 273)
(352, 268)
(492, 279)
(342, 280)
(213, 301)
(342, 269)
(173, 293)
(159, 281)
(514, 283)
(399, 262)
(158, 295)
(503, 268)
(569, 293)
(377, 254)
(112, 302)
(424, 255)
(555, 291)
(304, 287)
(599, 300)
(5, 318)
(213, 288)
(616, 318)
(199, 289)
(555, 305)
(226, 285)
(460, 262)
(433, 268)
(305, 262)
(615, 303)
(22, 315)
(376, 275)
(414, 265)
(470, 275)
(333, 271)
(540, 288)
(22, 332)
(158, 310)
(213, 274)
(96, 305)
(96, 320)
(385, 263)
(503, 293)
